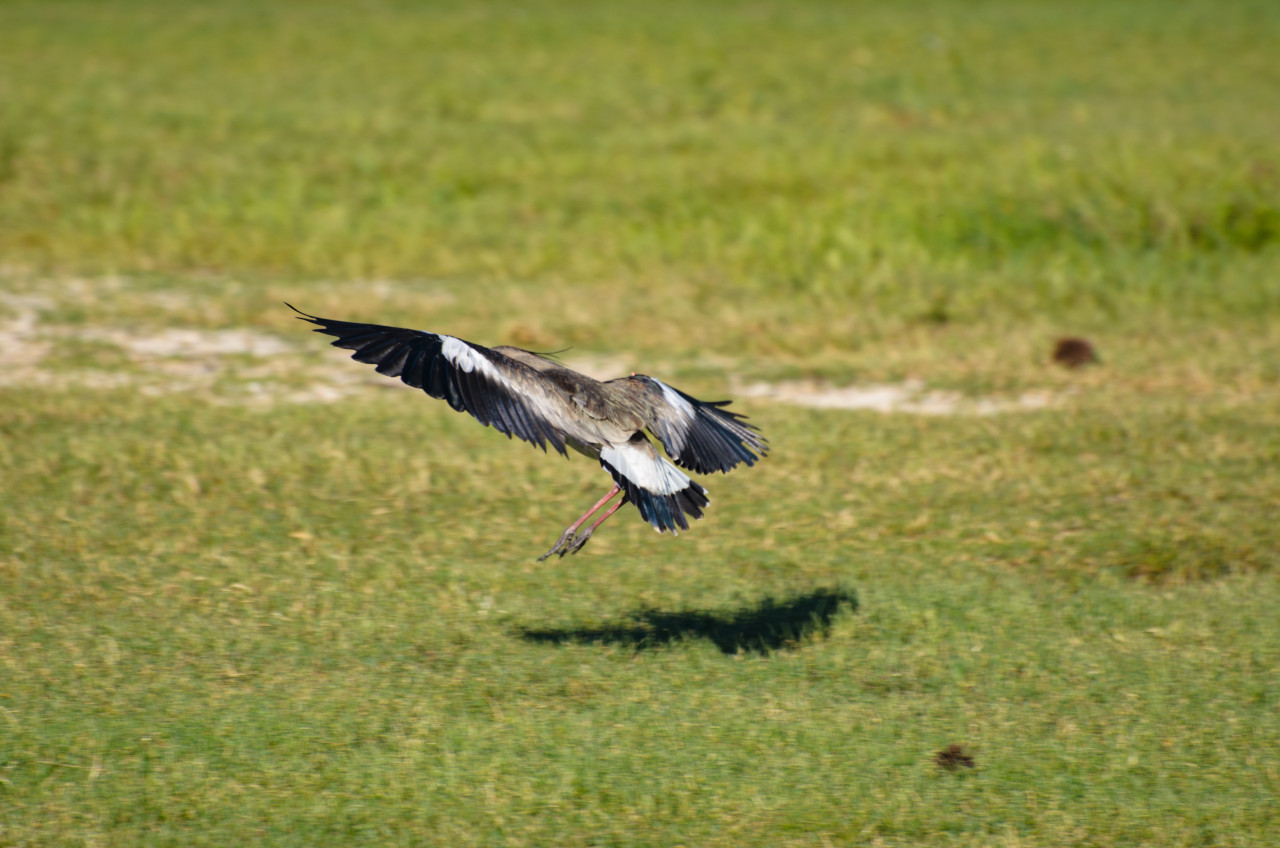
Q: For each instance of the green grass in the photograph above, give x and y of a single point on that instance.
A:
(308, 634)
(232, 614)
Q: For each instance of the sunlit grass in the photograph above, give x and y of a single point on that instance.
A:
(231, 624)
(249, 597)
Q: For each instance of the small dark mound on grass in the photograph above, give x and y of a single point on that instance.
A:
(1072, 352)
(953, 758)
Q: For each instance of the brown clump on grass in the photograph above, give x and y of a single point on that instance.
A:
(953, 757)
(1073, 352)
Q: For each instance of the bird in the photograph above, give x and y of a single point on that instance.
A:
(535, 398)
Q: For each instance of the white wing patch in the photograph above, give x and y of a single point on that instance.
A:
(684, 412)
(463, 357)
(647, 470)
(677, 402)
(527, 393)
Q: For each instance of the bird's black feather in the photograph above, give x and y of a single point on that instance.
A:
(417, 358)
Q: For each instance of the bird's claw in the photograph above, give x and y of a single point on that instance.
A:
(576, 543)
(558, 547)
(569, 543)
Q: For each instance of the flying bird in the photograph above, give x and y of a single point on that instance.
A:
(533, 397)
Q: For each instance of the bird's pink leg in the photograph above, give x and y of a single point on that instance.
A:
(559, 547)
(612, 493)
(602, 518)
(581, 539)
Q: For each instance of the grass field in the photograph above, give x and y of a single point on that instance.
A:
(250, 595)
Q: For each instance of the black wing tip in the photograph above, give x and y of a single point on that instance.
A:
(303, 316)
(732, 441)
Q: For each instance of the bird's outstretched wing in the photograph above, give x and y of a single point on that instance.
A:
(498, 391)
(699, 435)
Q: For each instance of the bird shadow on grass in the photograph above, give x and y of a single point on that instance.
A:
(761, 628)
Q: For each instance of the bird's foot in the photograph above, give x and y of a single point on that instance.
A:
(560, 546)
(568, 543)
(576, 543)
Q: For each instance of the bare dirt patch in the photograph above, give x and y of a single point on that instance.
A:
(190, 344)
(909, 396)
(242, 366)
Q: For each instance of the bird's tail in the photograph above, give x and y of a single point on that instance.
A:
(664, 494)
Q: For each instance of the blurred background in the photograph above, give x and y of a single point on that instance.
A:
(814, 176)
